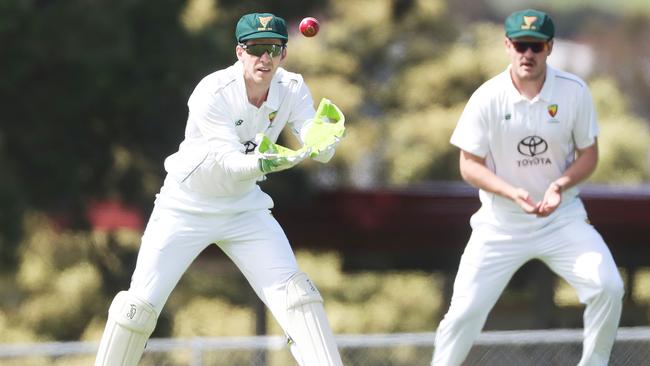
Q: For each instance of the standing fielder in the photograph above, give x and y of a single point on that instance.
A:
(210, 195)
(527, 138)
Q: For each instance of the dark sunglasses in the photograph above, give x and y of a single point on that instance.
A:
(274, 50)
(536, 47)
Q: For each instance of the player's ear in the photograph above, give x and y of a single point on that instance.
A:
(550, 46)
(284, 53)
(239, 52)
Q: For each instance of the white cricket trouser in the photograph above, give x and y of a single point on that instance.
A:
(574, 250)
(253, 240)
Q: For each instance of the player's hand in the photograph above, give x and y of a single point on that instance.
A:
(274, 158)
(523, 199)
(324, 132)
(551, 201)
(326, 153)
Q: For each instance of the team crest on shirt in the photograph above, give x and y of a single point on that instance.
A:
(272, 116)
(552, 111)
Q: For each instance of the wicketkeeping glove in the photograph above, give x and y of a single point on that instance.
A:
(274, 158)
(325, 131)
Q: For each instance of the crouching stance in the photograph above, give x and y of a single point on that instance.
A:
(211, 195)
(527, 138)
(131, 321)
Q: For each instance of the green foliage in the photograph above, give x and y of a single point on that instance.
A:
(623, 140)
(12, 203)
(609, 101)
(58, 311)
(210, 317)
(13, 332)
(620, 6)
(624, 151)
(418, 146)
(451, 76)
(94, 82)
(427, 99)
(370, 302)
(58, 287)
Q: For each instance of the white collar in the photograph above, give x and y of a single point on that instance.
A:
(544, 94)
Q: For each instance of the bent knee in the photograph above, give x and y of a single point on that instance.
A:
(613, 287)
(133, 313)
(301, 290)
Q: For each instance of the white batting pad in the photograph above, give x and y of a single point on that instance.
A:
(130, 323)
(312, 341)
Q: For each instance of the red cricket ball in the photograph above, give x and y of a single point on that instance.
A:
(309, 26)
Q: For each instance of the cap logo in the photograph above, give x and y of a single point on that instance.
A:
(529, 22)
(264, 21)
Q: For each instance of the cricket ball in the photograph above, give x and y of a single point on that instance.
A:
(309, 27)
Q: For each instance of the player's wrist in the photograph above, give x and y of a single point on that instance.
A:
(559, 188)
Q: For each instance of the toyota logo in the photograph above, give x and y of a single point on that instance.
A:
(532, 146)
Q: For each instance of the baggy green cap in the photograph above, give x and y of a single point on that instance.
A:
(529, 23)
(260, 25)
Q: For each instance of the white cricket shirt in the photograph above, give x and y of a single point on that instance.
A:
(528, 143)
(214, 170)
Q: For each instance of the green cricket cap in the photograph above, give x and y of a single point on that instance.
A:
(529, 23)
(261, 25)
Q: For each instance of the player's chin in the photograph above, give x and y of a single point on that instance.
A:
(527, 73)
(264, 73)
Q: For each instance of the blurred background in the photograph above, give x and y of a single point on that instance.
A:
(94, 96)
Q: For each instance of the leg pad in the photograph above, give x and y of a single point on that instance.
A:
(130, 323)
(309, 331)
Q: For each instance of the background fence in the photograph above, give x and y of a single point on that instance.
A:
(538, 347)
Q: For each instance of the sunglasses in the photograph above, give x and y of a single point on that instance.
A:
(274, 50)
(536, 47)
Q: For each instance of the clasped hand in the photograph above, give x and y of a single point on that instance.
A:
(549, 203)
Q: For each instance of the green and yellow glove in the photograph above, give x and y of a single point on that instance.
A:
(319, 141)
(325, 131)
(274, 158)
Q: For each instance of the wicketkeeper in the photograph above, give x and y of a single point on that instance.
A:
(210, 195)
